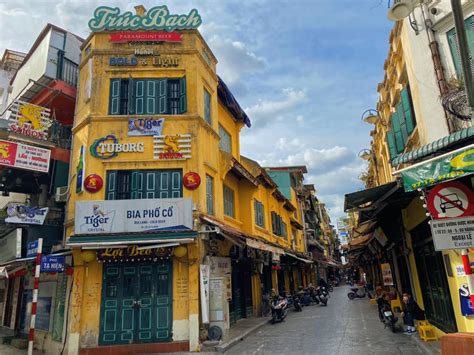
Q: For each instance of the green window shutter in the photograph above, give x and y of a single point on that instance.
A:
(391, 144)
(183, 107)
(61, 174)
(402, 122)
(225, 142)
(162, 96)
(273, 222)
(469, 23)
(176, 184)
(114, 103)
(111, 185)
(139, 90)
(134, 185)
(129, 95)
(207, 106)
(408, 110)
(454, 48)
(255, 206)
(229, 209)
(209, 195)
(397, 132)
(151, 94)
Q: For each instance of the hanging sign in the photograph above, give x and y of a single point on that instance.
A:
(80, 170)
(138, 126)
(387, 274)
(52, 263)
(465, 301)
(449, 167)
(157, 18)
(450, 200)
(191, 180)
(32, 249)
(177, 147)
(109, 147)
(93, 183)
(134, 253)
(132, 36)
(24, 156)
(18, 213)
(29, 120)
(453, 233)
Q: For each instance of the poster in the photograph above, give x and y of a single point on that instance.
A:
(387, 274)
(24, 156)
(204, 279)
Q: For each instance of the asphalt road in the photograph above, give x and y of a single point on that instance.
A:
(343, 327)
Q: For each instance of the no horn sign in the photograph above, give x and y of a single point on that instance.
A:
(450, 200)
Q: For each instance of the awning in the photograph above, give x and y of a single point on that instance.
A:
(361, 241)
(331, 263)
(252, 243)
(360, 198)
(300, 259)
(365, 228)
(230, 233)
(118, 240)
(438, 146)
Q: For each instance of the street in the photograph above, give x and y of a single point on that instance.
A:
(344, 327)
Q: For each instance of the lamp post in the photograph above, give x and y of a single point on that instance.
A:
(367, 154)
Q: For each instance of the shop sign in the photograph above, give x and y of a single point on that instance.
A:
(109, 147)
(191, 180)
(24, 156)
(177, 147)
(80, 170)
(449, 167)
(18, 213)
(93, 183)
(453, 233)
(123, 61)
(380, 236)
(32, 248)
(132, 36)
(387, 274)
(29, 120)
(52, 263)
(157, 18)
(10, 246)
(465, 301)
(138, 126)
(204, 273)
(129, 216)
(157, 61)
(450, 200)
(133, 253)
(220, 266)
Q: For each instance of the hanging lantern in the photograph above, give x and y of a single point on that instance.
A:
(88, 255)
(180, 251)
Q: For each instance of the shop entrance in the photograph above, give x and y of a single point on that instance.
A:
(241, 304)
(136, 303)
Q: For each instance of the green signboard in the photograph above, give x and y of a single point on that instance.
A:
(157, 18)
(449, 167)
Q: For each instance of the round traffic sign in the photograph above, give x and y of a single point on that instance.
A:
(450, 200)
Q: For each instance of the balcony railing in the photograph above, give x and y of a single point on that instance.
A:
(60, 135)
(67, 70)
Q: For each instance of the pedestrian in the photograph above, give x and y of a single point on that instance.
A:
(411, 311)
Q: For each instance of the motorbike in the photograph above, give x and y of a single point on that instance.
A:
(386, 314)
(298, 301)
(279, 307)
(358, 292)
(322, 295)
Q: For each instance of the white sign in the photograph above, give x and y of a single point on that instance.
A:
(177, 147)
(387, 274)
(10, 246)
(453, 233)
(460, 270)
(128, 216)
(220, 266)
(18, 213)
(204, 279)
(139, 126)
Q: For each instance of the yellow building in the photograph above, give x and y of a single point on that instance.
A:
(172, 230)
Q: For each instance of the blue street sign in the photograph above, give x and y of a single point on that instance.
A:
(32, 249)
(52, 263)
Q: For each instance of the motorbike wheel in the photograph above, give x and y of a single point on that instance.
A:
(324, 302)
(351, 295)
(274, 318)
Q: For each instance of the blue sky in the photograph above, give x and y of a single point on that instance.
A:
(304, 71)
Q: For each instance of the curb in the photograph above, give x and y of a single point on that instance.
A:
(227, 345)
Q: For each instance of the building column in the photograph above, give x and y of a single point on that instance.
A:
(75, 305)
(193, 277)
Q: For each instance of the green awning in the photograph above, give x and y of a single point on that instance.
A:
(114, 240)
(435, 147)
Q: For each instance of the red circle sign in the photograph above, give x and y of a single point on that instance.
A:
(450, 200)
(93, 183)
(191, 180)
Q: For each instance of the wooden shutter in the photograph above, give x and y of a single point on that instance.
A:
(151, 96)
(111, 185)
(163, 96)
(255, 206)
(402, 122)
(209, 195)
(176, 184)
(114, 102)
(392, 148)
(134, 187)
(139, 91)
(454, 47)
(207, 107)
(397, 132)
(182, 95)
(408, 110)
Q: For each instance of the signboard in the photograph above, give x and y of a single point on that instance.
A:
(380, 236)
(157, 61)
(52, 263)
(450, 200)
(132, 36)
(10, 246)
(29, 120)
(23, 214)
(109, 147)
(32, 249)
(465, 301)
(204, 280)
(387, 274)
(191, 180)
(133, 253)
(451, 166)
(129, 216)
(93, 183)
(453, 233)
(24, 156)
(177, 147)
(157, 18)
(80, 170)
(138, 126)
(220, 266)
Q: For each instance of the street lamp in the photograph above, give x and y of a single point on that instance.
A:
(401, 9)
(365, 154)
(370, 116)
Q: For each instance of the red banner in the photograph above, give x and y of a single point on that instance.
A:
(132, 36)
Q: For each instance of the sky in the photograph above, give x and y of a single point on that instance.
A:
(303, 70)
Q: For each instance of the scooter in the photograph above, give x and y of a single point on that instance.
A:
(358, 292)
(322, 295)
(297, 301)
(279, 307)
(386, 314)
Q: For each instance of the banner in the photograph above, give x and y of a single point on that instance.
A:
(135, 253)
(387, 274)
(130, 216)
(24, 156)
(25, 214)
(449, 167)
(133, 36)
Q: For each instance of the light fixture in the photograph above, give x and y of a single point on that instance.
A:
(370, 116)
(401, 9)
(365, 154)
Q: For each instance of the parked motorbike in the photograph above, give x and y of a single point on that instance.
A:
(279, 307)
(357, 292)
(297, 301)
(386, 314)
(322, 295)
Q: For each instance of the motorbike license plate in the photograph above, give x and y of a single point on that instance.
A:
(387, 314)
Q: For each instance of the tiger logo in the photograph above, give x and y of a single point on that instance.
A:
(30, 114)
(171, 143)
(4, 152)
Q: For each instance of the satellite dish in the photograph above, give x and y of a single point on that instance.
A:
(401, 9)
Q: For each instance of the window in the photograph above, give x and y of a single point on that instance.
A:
(284, 230)
(140, 184)
(454, 48)
(209, 195)
(147, 96)
(259, 214)
(207, 106)
(278, 226)
(225, 143)
(229, 209)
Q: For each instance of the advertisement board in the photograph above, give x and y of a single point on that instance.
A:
(10, 246)
(387, 274)
(129, 216)
(22, 214)
(453, 233)
(24, 156)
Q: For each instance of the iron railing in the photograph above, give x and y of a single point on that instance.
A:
(67, 70)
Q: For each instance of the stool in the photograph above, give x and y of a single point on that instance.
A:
(426, 330)
(373, 301)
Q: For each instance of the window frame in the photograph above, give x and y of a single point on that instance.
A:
(259, 213)
(207, 99)
(229, 204)
(223, 133)
(209, 195)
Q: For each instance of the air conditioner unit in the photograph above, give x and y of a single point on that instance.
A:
(61, 194)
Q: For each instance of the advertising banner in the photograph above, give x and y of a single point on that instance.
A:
(22, 214)
(135, 253)
(451, 166)
(29, 120)
(138, 126)
(24, 156)
(453, 233)
(387, 274)
(129, 216)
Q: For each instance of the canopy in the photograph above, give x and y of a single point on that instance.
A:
(360, 198)
(119, 240)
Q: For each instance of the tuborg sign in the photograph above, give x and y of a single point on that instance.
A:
(157, 18)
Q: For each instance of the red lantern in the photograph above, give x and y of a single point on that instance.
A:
(93, 183)
(191, 180)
